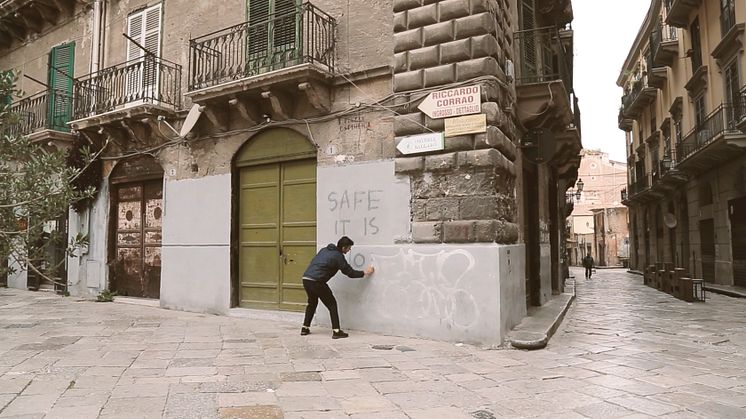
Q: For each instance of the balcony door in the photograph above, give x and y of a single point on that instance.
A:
(142, 73)
(60, 81)
(274, 34)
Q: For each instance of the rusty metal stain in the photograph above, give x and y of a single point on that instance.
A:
(130, 259)
(153, 256)
(153, 237)
(154, 213)
(132, 193)
(129, 217)
(129, 239)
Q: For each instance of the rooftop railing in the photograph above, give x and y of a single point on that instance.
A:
(146, 80)
(305, 35)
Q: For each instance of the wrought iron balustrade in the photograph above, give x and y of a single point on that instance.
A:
(727, 16)
(662, 32)
(634, 92)
(149, 79)
(305, 35)
(50, 109)
(543, 57)
(722, 120)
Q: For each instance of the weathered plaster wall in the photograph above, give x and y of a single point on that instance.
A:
(195, 273)
(87, 273)
(446, 292)
(32, 57)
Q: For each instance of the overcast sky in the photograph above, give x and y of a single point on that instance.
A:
(604, 33)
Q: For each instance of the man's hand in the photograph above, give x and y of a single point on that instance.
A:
(369, 271)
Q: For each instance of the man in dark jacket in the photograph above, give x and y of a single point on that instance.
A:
(588, 263)
(322, 268)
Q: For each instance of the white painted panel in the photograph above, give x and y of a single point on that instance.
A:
(366, 202)
(447, 292)
(196, 279)
(197, 211)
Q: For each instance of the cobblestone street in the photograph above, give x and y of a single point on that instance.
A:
(624, 350)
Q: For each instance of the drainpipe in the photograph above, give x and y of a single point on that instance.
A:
(96, 42)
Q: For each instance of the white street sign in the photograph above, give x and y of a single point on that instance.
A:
(452, 102)
(421, 143)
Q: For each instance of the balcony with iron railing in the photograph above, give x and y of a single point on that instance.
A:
(625, 123)
(679, 12)
(732, 33)
(46, 110)
(716, 140)
(279, 62)
(544, 82)
(656, 73)
(664, 43)
(639, 96)
(303, 36)
(544, 88)
(137, 86)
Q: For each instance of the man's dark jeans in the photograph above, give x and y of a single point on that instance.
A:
(588, 271)
(320, 290)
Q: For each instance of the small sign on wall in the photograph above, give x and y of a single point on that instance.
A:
(421, 143)
(462, 125)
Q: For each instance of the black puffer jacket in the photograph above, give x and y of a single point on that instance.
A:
(327, 262)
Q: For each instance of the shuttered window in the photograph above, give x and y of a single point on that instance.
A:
(273, 32)
(60, 81)
(145, 28)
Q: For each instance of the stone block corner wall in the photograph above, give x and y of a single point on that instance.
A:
(465, 193)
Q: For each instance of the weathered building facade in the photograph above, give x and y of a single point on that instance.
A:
(602, 181)
(239, 137)
(683, 111)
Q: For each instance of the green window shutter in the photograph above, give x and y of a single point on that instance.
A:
(60, 81)
(258, 11)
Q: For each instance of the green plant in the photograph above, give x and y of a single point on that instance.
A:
(106, 296)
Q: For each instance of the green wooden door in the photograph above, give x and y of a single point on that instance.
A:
(59, 100)
(277, 233)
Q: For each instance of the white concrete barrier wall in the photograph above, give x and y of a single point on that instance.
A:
(460, 293)
(195, 262)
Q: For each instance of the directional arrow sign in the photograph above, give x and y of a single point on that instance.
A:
(452, 102)
(420, 143)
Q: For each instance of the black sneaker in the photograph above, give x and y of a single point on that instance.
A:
(339, 335)
(305, 331)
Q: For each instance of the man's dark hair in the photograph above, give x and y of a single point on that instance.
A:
(344, 242)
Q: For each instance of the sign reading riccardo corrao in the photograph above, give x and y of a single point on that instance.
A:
(452, 102)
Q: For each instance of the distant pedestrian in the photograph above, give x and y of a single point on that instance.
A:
(322, 268)
(588, 263)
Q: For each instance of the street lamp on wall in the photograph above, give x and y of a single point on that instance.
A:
(579, 190)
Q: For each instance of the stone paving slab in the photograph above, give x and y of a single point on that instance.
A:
(623, 350)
